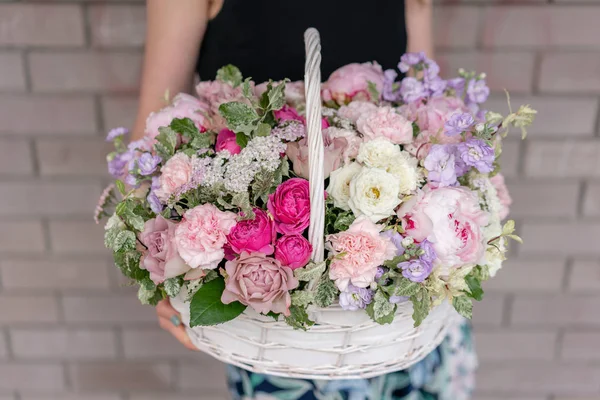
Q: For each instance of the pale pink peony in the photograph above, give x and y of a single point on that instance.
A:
(252, 235)
(160, 257)
(385, 122)
(183, 106)
(174, 174)
(216, 93)
(259, 282)
(355, 109)
(357, 253)
(226, 141)
(293, 251)
(351, 82)
(503, 195)
(201, 235)
(451, 219)
(297, 152)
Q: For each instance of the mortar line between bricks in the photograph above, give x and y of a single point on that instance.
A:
(8, 341)
(507, 310)
(87, 26)
(27, 71)
(35, 163)
(560, 336)
(583, 191)
(537, 68)
(596, 132)
(566, 278)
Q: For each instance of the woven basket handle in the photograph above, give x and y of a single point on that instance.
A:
(312, 82)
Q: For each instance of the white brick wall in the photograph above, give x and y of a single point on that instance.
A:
(68, 330)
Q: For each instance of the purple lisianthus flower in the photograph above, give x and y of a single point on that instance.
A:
(131, 181)
(458, 84)
(440, 162)
(115, 133)
(477, 91)
(429, 254)
(411, 89)
(416, 270)
(355, 298)
(398, 299)
(379, 273)
(396, 239)
(116, 165)
(388, 92)
(432, 71)
(409, 59)
(155, 183)
(477, 153)
(458, 123)
(155, 204)
(436, 86)
(148, 163)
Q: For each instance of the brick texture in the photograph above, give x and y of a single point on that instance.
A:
(69, 330)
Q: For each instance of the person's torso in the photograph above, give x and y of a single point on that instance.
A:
(265, 38)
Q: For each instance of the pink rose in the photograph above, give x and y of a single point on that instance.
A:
(351, 146)
(287, 113)
(297, 152)
(352, 81)
(176, 172)
(385, 122)
(503, 195)
(259, 282)
(226, 141)
(355, 109)
(183, 106)
(216, 93)
(357, 253)
(253, 235)
(293, 251)
(451, 219)
(290, 206)
(201, 235)
(161, 258)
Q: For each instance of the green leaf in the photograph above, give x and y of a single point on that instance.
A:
(261, 186)
(121, 186)
(421, 306)
(276, 97)
(298, 318)
(273, 315)
(240, 117)
(172, 286)
(393, 263)
(124, 241)
(242, 201)
(241, 139)
(206, 307)
(464, 306)
(263, 129)
(380, 309)
(343, 221)
(475, 290)
(202, 141)
(311, 272)
(185, 126)
(230, 74)
(326, 292)
(302, 298)
(166, 142)
(406, 287)
(373, 92)
(129, 264)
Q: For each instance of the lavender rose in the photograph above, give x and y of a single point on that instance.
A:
(161, 258)
(259, 282)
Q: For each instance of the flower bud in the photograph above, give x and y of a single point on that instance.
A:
(407, 241)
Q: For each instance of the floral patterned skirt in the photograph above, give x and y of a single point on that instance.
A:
(447, 373)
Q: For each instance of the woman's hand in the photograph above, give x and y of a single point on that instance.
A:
(170, 320)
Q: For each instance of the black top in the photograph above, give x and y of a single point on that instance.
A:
(265, 38)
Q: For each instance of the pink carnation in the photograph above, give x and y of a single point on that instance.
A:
(357, 253)
(226, 140)
(174, 174)
(201, 235)
(503, 195)
(253, 235)
(183, 106)
(451, 219)
(385, 122)
(293, 251)
(352, 81)
(355, 109)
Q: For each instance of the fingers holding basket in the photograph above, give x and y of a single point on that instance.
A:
(170, 320)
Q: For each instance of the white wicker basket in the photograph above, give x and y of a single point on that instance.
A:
(342, 344)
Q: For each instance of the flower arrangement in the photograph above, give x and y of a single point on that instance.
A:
(213, 203)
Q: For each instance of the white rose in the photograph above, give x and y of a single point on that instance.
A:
(339, 184)
(373, 193)
(378, 153)
(405, 168)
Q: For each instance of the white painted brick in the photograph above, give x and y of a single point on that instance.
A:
(582, 346)
(32, 377)
(3, 348)
(509, 397)
(12, 77)
(509, 160)
(515, 346)
(118, 25)
(555, 310)
(591, 202)
(67, 396)
(16, 309)
(528, 275)
(488, 311)
(21, 237)
(535, 199)
(570, 73)
(577, 238)
(585, 276)
(107, 309)
(73, 157)
(146, 343)
(76, 236)
(455, 26)
(119, 111)
(212, 378)
(120, 376)
(63, 343)
(15, 157)
(563, 159)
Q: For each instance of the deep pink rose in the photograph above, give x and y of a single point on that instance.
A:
(183, 106)
(385, 122)
(287, 113)
(290, 206)
(293, 251)
(226, 141)
(161, 258)
(253, 235)
(297, 152)
(451, 219)
(259, 282)
(202, 234)
(503, 195)
(352, 81)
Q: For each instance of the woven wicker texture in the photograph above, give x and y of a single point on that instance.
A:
(342, 344)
